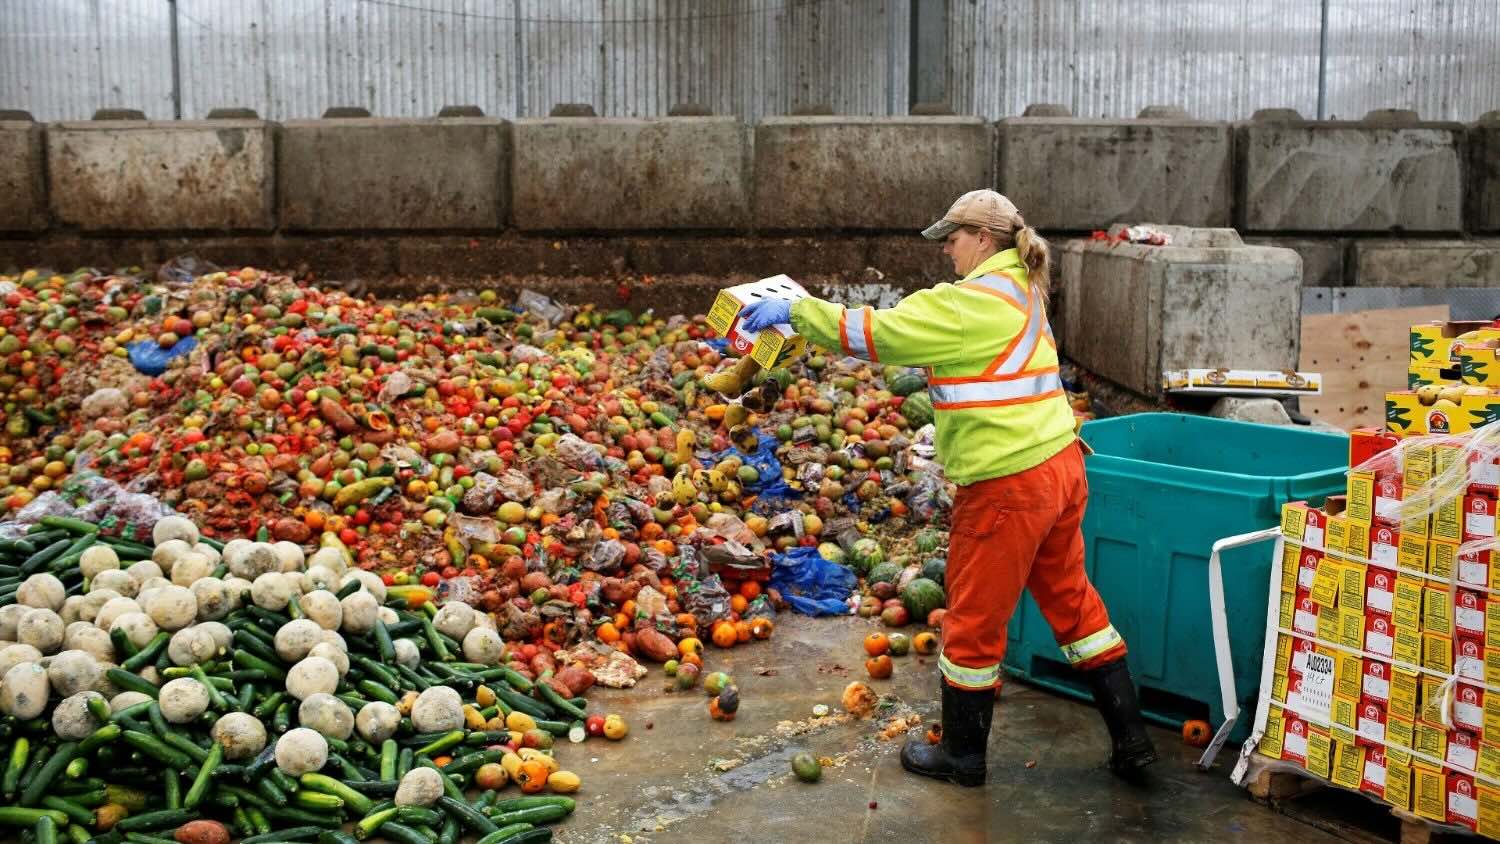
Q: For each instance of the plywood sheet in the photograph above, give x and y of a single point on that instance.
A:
(1361, 354)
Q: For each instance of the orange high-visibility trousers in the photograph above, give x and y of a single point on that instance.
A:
(1022, 531)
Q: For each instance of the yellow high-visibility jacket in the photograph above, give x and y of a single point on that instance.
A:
(997, 400)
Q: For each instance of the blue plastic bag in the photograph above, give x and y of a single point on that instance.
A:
(770, 486)
(149, 358)
(810, 584)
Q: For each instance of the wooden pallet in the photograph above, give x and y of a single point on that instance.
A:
(1273, 787)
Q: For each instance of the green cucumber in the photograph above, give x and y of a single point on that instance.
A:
(418, 815)
(20, 754)
(156, 820)
(317, 801)
(103, 735)
(388, 751)
(16, 816)
(34, 790)
(130, 682)
(296, 833)
(467, 815)
(402, 834)
(205, 776)
(448, 741)
(45, 830)
(154, 748)
(516, 804)
(76, 812)
(328, 785)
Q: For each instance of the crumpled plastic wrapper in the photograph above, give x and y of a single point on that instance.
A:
(610, 667)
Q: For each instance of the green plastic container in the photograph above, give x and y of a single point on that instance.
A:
(1163, 487)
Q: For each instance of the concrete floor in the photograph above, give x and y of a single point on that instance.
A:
(681, 777)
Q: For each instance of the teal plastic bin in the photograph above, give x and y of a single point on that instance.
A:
(1163, 487)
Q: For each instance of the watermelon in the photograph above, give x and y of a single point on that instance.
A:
(929, 540)
(884, 573)
(935, 570)
(906, 382)
(917, 409)
(922, 596)
(864, 554)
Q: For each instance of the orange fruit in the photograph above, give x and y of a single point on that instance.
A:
(725, 636)
(750, 589)
(1196, 733)
(877, 644)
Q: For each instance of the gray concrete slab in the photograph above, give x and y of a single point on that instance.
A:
(1427, 263)
(21, 177)
(1484, 174)
(897, 173)
(1131, 311)
(681, 777)
(613, 174)
(1323, 259)
(359, 174)
(149, 176)
(1074, 174)
(1300, 176)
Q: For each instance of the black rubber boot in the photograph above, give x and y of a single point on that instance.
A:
(1130, 746)
(959, 757)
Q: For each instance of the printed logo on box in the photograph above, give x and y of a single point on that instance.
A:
(1468, 612)
(1463, 804)
(1372, 780)
(1388, 498)
(1307, 570)
(1463, 749)
(1371, 726)
(1479, 517)
(1294, 746)
(1468, 658)
(1379, 586)
(1385, 543)
(1379, 637)
(1474, 568)
(1305, 619)
(1468, 709)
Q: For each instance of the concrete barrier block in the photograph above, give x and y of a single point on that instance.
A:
(1074, 174)
(1132, 311)
(896, 173)
(24, 207)
(511, 254)
(612, 174)
(355, 174)
(148, 176)
(758, 257)
(1427, 263)
(1322, 258)
(1350, 177)
(1484, 174)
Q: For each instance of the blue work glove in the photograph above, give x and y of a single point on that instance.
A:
(765, 313)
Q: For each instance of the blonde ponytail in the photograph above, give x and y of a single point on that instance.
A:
(1037, 256)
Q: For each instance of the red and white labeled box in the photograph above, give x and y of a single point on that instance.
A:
(1479, 517)
(1371, 722)
(1468, 657)
(1372, 780)
(1380, 634)
(1376, 683)
(1462, 799)
(1380, 588)
(1474, 568)
(1468, 612)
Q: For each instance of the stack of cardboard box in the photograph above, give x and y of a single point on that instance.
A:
(1387, 666)
(1453, 380)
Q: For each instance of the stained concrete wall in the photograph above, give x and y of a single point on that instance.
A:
(866, 173)
(1484, 174)
(608, 174)
(23, 197)
(1068, 173)
(713, 195)
(160, 176)
(1299, 176)
(1427, 263)
(1131, 311)
(369, 173)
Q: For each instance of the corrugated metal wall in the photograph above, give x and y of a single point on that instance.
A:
(1220, 59)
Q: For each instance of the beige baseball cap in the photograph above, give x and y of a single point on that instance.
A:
(984, 208)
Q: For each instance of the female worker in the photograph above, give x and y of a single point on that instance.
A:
(1005, 436)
